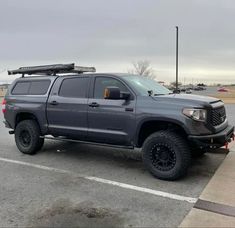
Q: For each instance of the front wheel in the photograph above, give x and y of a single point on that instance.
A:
(27, 137)
(166, 155)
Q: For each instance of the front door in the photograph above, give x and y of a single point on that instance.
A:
(110, 121)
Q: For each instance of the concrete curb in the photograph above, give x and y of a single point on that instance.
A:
(216, 204)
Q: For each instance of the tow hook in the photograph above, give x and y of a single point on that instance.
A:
(226, 145)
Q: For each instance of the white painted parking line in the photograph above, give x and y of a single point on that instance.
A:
(146, 190)
(105, 181)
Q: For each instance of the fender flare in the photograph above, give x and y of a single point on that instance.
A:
(163, 119)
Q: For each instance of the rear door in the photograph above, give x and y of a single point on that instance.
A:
(67, 107)
(110, 121)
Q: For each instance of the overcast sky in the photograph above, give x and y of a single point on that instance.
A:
(111, 34)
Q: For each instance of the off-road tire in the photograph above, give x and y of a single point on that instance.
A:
(27, 137)
(166, 142)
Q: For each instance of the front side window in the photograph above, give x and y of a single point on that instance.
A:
(74, 87)
(103, 82)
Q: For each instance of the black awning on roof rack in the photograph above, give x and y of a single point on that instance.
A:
(52, 69)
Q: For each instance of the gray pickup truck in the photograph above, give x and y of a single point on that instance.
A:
(66, 102)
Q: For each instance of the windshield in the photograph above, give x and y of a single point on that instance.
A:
(146, 86)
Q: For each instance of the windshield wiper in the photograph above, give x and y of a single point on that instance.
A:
(159, 94)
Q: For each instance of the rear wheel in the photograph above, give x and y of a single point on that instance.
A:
(27, 137)
(166, 155)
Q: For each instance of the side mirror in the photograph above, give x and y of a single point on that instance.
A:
(112, 93)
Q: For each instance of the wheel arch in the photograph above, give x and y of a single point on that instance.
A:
(25, 116)
(151, 125)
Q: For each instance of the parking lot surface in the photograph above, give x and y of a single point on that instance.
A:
(71, 184)
(230, 109)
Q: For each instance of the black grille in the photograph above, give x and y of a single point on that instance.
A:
(218, 116)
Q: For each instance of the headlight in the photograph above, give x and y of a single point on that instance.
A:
(196, 114)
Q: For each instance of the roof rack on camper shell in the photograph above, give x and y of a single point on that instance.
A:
(52, 69)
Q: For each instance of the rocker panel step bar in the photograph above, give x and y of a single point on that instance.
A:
(86, 142)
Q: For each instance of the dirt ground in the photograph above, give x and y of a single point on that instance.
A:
(226, 97)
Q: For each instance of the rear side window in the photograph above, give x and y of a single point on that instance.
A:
(74, 87)
(21, 88)
(39, 87)
(31, 87)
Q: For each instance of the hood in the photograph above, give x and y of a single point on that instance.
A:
(188, 98)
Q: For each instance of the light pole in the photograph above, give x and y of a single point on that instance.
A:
(176, 67)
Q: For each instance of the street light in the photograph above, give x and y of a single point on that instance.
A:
(176, 81)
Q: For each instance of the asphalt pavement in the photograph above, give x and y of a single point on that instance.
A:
(230, 110)
(211, 90)
(216, 205)
(71, 184)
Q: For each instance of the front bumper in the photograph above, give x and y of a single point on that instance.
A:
(214, 140)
